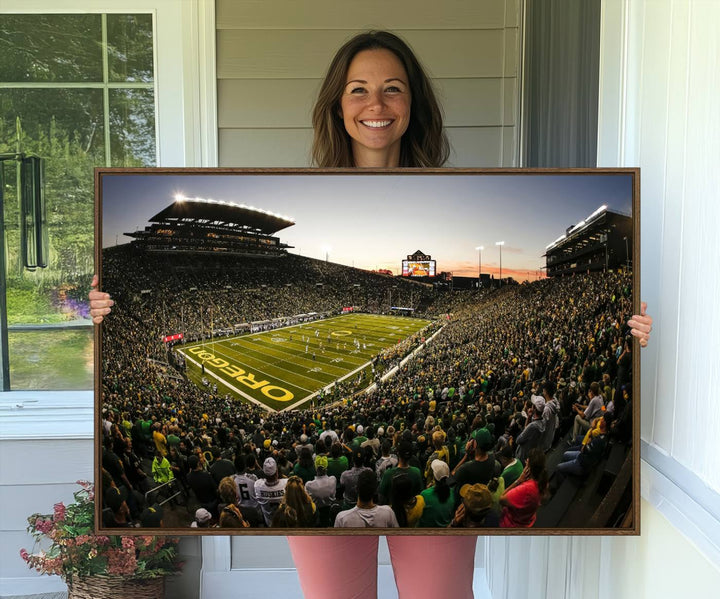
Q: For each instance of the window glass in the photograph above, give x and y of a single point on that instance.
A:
(36, 48)
(78, 103)
(130, 47)
(55, 359)
(132, 127)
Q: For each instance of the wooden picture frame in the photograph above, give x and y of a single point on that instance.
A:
(247, 259)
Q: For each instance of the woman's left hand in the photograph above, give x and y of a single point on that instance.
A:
(641, 325)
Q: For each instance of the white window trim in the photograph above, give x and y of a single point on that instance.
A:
(185, 78)
(186, 128)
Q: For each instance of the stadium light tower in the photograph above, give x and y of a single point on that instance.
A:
(479, 249)
(500, 244)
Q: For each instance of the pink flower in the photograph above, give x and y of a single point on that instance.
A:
(59, 512)
(121, 562)
(43, 526)
(24, 555)
(128, 543)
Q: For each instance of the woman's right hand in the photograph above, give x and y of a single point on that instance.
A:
(100, 303)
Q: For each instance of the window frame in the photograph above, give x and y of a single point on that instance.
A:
(186, 135)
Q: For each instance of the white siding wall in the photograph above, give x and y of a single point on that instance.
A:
(36, 473)
(271, 57)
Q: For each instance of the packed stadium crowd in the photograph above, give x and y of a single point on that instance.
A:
(458, 437)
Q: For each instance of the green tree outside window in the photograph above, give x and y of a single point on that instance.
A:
(77, 90)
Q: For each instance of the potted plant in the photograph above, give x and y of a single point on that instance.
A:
(96, 566)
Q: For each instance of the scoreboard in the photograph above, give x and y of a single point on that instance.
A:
(418, 268)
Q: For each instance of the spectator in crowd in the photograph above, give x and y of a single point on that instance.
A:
(245, 486)
(116, 513)
(407, 506)
(270, 491)
(366, 514)
(522, 498)
(532, 435)
(227, 492)
(329, 434)
(303, 444)
(159, 439)
(305, 468)
(203, 486)
(349, 478)
(337, 462)
(202, 519)
(478, 466)
(550, 415)
(475, 509)
(161, 469)
(439, 499)
(386, 460)
(133, 468)
(231, 517)
(114, 465)
(405, 453)
(582, 459)
(152, 517)
(284, 517)
(371, 441)
(586, 413)
(220, 467)
(511, 467)
(322, 488)
(440, 452)
(297, 498)
(621, 427)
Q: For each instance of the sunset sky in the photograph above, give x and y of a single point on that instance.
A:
(374, 221)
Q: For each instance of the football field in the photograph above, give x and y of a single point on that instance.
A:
(286, 368)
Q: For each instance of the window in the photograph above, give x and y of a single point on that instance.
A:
(77, 90)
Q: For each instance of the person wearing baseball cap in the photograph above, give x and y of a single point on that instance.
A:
(439, 498)
(440, 452)
(270, 491)
(478, 465)
(152, 517)
(475, 509)
(202, 518)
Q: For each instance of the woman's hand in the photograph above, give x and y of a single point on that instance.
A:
(100, 303)
(641, 325)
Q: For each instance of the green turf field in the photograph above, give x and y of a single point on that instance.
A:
(284, 368)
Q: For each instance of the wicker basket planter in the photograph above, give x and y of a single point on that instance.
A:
(116, 587)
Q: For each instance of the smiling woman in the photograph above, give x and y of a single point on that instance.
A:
(375, 107)
(364, 104)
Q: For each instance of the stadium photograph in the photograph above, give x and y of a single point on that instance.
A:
(303, 351)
